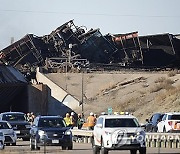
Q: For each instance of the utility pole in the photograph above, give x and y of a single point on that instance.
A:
(68, 62)
(66, 75)
(82, 94)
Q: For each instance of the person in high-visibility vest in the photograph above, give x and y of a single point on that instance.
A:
(91, 120)
(67, 119)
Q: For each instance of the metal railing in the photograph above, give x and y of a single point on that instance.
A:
(159, 140)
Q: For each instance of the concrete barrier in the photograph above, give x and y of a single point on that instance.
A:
(157, 140)
(59, 99)
(82, 136)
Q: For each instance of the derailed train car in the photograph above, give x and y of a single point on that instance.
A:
(73, 47)
(162, 50)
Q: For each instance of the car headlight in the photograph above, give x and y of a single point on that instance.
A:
(28, 126)
(68, 132)
(41, 133)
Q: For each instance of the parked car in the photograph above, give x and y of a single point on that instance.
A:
(9, 134)
(18, 123)
(170, 122)
(1, 140)
(50, 130)
(151, 125)
(118, 132)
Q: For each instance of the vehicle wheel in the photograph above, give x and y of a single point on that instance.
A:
(63, 148)
(7, 144)
(32, 147)
(154, 129)
(142, 150)
(96, 149)
(103, 149)
(133, 151)
(14, 144)
(1, 146)
(36, 145)
(70, 147)
(92, 141)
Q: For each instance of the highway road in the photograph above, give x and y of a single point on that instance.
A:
(22, 147)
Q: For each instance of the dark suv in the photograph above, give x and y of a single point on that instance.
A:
(151, 125)
(50, 130)
(18, 123)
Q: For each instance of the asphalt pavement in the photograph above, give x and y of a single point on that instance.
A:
(22, 147)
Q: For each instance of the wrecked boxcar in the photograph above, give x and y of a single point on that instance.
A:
(72, 47)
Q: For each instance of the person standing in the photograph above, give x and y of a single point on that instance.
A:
(80, 121)
(67, 119)
(72, 119)
(91, 120)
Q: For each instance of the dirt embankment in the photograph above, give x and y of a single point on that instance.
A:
(139, 93)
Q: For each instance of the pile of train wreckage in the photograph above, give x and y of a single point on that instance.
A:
(71, 48)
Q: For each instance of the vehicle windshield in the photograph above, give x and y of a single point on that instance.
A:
(52, 122)
(14, 117)
(4, 125)
(156, 118)
(118, 122)
(174, 117)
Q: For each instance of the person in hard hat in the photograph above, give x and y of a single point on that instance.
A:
(80, 121)
(67, 119)
(73, 119)
(91, 120)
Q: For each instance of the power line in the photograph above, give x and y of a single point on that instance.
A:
(91, 14)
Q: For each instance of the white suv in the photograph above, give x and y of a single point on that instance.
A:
(170, 122)
(118, 132)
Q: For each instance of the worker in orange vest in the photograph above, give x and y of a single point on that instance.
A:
(91, 120)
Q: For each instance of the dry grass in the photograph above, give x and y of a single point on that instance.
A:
(162, 83)
(108, 87)
(128, 106)
(160, 80)
(172, 73)
(139, 99)
(170, 93)
(91, 76)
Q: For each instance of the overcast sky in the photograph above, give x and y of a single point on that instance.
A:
(40, 17)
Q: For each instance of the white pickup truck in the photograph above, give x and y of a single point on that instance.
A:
(118, 132)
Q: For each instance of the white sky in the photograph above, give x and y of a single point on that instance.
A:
(40, 17)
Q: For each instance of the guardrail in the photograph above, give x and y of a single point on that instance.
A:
(164, 140)
(84, 136)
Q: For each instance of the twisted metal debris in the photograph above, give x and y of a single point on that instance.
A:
(71, 47)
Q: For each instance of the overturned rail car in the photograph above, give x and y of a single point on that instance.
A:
(73, 45)
(161, 50)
